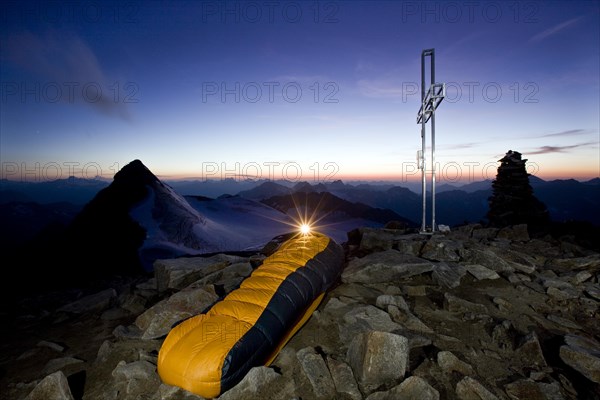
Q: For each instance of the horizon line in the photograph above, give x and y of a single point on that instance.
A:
(348, 179)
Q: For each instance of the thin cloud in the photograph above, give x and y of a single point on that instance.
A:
(558, 149)
(572, 132)
(379, 88)
(553, 31)
(462, 43)
(66, 61)
(461, 146)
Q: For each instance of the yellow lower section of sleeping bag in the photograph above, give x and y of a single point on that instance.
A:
(209, 353)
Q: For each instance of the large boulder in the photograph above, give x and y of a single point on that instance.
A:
(378, 359)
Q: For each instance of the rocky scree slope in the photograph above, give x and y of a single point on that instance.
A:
(477, 313)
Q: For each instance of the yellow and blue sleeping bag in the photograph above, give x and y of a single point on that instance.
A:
(211, 352)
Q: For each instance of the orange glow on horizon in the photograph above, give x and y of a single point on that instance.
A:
(555, 173)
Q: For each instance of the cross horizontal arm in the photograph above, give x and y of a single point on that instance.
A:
(434, 97)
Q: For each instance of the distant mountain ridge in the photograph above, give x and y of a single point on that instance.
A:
(567, 200)
(73, 190)
(137, 219)
(326, 206)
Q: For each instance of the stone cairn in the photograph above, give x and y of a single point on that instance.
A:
(513, 201)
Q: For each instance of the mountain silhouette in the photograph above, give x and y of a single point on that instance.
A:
(265, 190)
(103, 233)
(328, 208)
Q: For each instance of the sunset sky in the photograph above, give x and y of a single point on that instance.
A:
(300, 90)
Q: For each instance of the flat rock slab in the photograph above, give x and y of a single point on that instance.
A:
(583, 355)
(385, 266)
(480, 272)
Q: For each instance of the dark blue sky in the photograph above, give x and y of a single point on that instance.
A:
(303, 90)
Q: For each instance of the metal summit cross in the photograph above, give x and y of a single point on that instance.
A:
(429, 102)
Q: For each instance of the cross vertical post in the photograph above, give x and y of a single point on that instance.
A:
(429, 102)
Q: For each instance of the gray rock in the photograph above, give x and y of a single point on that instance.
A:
(114, 314)
(334, 305)
(458, 305)
(523, 277)
(51, 345)
(53, 387)
(396, 300)
(438, 249)
(562, 294)
(530, 390)
(134, 370)
(583, 355)
(134, 380)
(410, 244)
(444, 228)
(178, 273)
(377, 359)
(363, 319)
(582, 276)
(167, 392)
(524, 268)
(485, 257)
(412, 388)
(555, 283)
(28, 353)
(96, 302)
(589, 307)
(315, 369)
(407, 319)
(504, 335)
(357, 291)
(516, 233)
(464, 232)
(259, 383)
(563, 322)
(415, 388)
(229, 276)
(384, 267)
(448, 276)
(343, 379)
(134, 303)
(589, 263)
(448, 362)
(530, 351)
(376, 239)
(415, 291)
(503, 305)
(147, 289)
(127, 332)
(552, 391)
(480, 272)
(484, 233)
(158, 320)
(470, 389)
(593, 290)
(59, 363)
(512, 277)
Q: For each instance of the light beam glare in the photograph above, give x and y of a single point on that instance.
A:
(302, 221)
(305, 229)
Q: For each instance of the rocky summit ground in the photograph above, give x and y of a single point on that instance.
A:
(476, 313)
